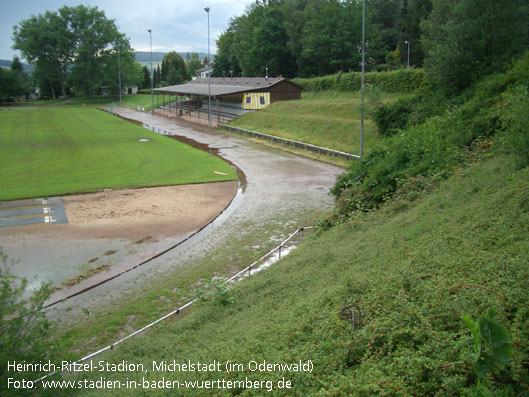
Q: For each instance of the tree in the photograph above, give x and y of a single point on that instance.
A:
(332, 37)
(16, 65)
(175, 68)
(146, 82)
(45, 42)
(13, 82)
(77, 46)
(414, 13)
(157, 76)
(468, 39)
(193, 63)
(226, 60)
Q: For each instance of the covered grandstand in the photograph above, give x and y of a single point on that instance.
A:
(230, 97)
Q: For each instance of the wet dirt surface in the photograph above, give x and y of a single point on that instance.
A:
(113, 230)
(279, 188)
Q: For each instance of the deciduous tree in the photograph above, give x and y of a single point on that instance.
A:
(77, 46)
(468, 39)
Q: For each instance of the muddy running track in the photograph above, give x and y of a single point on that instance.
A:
(278, 189)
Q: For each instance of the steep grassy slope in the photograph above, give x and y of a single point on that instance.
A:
(410, 270)
(329, 119)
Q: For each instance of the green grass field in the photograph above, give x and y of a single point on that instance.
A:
(46, 152)
(329, 119)
(130, 101)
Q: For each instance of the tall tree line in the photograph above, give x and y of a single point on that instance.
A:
(457, 41)
(317, 37)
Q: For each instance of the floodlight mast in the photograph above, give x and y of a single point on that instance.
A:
(119, 74)
(209, 76)
(152, 73)
(363, 77)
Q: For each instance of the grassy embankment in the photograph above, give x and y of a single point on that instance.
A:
(410, 269)
(60, 151)
(328, 118)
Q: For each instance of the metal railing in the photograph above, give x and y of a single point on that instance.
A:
(302, 145)
(257, 266)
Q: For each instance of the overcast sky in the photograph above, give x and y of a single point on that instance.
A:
(179, 25)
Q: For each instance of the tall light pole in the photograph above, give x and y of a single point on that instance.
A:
(407, 42)
(119, 74)
(152, 76)
(209, 76)
(363, 76)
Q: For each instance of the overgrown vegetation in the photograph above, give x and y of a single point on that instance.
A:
(24, 330)
(431, 137)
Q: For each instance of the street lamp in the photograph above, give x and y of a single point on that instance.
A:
(152, 77)
(363, 76)
(407, 42)
(209, 76)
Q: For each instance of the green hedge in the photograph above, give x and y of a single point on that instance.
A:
(404, 80)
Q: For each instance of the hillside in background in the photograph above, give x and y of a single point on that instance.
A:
(157, 57)
(7, 64)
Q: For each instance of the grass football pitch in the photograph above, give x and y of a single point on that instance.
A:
(48, 152)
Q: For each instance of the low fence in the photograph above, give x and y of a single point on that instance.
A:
(289, 142)
(272, 256)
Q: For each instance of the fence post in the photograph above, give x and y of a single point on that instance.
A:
(280, 252)
(249, 270)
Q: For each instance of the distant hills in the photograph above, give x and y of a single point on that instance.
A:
(7, 64)
(157, 57)
(143, 57)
